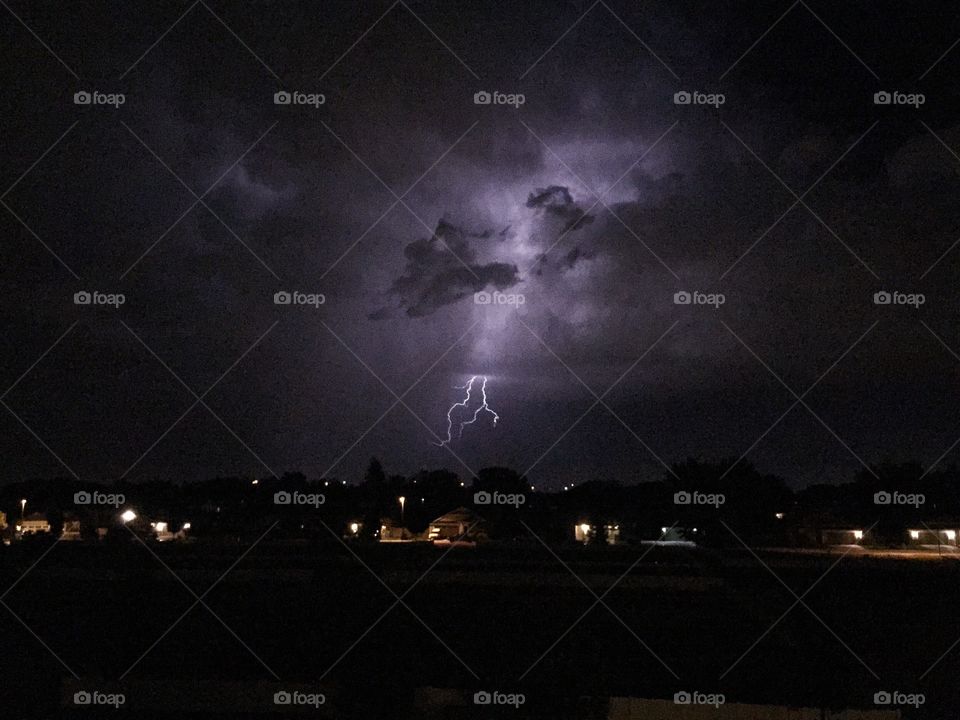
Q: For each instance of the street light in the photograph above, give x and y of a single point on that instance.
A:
(23, 504)
(402, 500)
(128, 515)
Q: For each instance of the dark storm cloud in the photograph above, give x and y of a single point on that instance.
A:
(516, 218)
(557, 201)
(442, 269)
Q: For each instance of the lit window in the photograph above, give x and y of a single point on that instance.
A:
(951, 534)
(858, 534)
(914, 534)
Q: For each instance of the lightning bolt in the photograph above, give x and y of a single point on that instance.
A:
(464, 404)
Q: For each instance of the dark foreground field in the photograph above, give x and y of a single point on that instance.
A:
(494, 618)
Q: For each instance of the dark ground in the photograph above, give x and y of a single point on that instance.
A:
(300, 607)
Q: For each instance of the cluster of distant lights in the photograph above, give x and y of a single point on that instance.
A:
(326, 483)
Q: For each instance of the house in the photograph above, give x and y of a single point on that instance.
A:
(34, 523)
(677, 534)
(161, 530)
(933, 534)
(819, 536)
(71, 530)
(461, 524)
(611, 533)
(586, 533)
(391, 532)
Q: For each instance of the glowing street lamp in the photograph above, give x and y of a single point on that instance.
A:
(403, 501)
(128, 515)
(23, 504)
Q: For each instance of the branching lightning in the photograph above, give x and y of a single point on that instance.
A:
(465, 403)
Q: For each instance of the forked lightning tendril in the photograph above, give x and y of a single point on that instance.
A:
(465, 404)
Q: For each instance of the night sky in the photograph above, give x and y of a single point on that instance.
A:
(399, 197)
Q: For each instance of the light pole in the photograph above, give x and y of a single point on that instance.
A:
(402, 500)
(23, 505)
